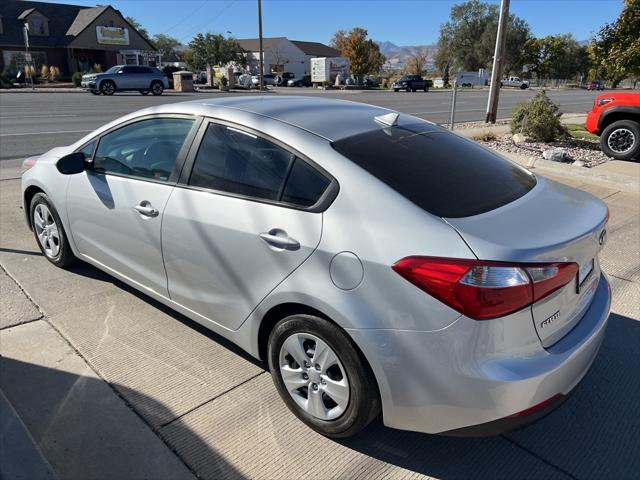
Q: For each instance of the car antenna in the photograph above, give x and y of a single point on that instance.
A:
(390, 119)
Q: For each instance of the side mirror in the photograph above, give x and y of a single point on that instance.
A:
(120, 72)
(71, 164)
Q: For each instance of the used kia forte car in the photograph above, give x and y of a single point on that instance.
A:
(377, 262)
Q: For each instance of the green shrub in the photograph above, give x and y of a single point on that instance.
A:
(76, 78)
(538, 119)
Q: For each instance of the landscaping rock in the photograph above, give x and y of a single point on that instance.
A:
(557, 155)
(520, 138)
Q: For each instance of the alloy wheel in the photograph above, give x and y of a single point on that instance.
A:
(314, 376)
(621, 140)
(46, 230)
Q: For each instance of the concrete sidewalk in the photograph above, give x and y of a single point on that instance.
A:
(58, 418)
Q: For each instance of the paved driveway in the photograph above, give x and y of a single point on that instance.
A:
(217, 411)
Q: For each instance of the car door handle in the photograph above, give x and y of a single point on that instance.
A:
(279, 239)
(145, 208)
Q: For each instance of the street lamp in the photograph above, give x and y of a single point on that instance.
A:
(261, 53)
(27, 55)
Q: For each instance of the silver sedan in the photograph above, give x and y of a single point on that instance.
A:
(377, 262)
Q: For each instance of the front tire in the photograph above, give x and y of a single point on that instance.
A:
(49, 232)
(107, 87)
(621, 140)
(321, 376)
(144, 92)
(157, 88)
(95, 92)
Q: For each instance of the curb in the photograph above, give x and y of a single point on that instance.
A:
(627, 183)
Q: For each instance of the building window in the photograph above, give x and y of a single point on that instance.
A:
(38, 26)
(14, 61)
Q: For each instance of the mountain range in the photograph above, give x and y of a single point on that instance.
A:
(397, 56)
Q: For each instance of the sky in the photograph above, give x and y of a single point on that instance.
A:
(402, 22)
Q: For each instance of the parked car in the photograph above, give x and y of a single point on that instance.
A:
(596, 85)
(515, 82)
(300, 82)
(616, 118)
(463, 296)
(269, 79)
(126, 78)
(284, 77)
(410, 83)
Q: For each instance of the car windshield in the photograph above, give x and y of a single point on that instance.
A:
(440, 172)
(404, 79)
(114, 69)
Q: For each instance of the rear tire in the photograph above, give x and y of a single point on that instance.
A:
(144, 92)
(157, 88)
(621, 140)
(95, 92)
(49, 232)
(396, 90)
(524, 86)
(107, 87)
(339, 372)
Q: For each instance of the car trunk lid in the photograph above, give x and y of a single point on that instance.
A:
(551, 223)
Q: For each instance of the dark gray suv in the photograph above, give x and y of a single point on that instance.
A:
(126, 77)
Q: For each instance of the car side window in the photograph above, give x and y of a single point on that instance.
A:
(88, 149)
(305, 185)
(147, 149)
(234, 161)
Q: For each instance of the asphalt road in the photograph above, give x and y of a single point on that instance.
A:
(32, 123)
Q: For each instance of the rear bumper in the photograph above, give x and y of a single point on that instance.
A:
(466, 375)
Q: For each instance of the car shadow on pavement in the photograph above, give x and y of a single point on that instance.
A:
(594, 434)
(84, 431)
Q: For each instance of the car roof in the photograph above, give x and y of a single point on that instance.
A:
(329, 118)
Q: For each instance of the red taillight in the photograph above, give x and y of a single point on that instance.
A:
(482, 290)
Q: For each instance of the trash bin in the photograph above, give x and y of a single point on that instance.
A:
(183, 81)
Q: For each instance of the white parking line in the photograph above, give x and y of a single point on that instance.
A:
(43, 133)
(37, 116)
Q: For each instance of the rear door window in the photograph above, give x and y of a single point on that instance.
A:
(440, 172)
(305, 185)
(238, 162)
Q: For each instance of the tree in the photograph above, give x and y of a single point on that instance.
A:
(279, 58)
(555, 56)
(363, 53)
(213, 49)
(138, 26)
(416, 63)
(168, 46)
(467, 41)
(615, 51)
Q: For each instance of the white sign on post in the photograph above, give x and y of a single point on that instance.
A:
(112, 35)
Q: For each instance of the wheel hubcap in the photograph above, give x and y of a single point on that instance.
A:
(157, 88)
(46, 230)
(314, 376)
(621, 140)
(108, 88)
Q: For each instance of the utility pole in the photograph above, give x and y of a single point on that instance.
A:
(498, 62)
(261, 59)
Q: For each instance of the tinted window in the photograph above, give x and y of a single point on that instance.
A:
(440, 172)
(88, 149)
(146, 149)
(234, 161)
(305, 185)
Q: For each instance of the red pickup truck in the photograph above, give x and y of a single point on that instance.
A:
(616, 118)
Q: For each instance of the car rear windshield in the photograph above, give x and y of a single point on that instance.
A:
(442, 173)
